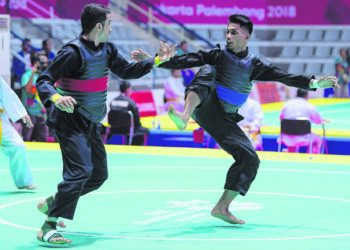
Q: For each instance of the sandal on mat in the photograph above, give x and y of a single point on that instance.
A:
(48, 233)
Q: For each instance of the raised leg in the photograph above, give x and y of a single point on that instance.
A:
(181, 118)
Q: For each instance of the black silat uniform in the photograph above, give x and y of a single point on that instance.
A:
(223, 86)
(80, 70)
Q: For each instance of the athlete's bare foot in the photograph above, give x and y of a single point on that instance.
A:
(178, 118)
(225, 215)
(48, 233)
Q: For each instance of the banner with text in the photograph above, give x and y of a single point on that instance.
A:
(272, 12)
(68, 9)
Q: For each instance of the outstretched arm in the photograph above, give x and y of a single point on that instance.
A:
(266, 71)
(144, 61)
(166, 59)
(164, 54)
(325, 81)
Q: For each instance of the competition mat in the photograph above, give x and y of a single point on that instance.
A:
(161, 198)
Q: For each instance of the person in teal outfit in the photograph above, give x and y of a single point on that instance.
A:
(342, 69)
(31, 100)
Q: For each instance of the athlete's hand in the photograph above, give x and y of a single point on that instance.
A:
(140, 55)
(26, 120)
(165, 51)
(328, 81)
(66, 103)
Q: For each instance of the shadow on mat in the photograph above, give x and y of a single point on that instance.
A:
(6, 193)
(201, 230)
(189, 230)
(218, 229)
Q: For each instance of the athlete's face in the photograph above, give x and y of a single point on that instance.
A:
(236, 37)
(105, 29)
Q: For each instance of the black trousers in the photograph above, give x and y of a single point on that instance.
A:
(225, 131)
(84, 161)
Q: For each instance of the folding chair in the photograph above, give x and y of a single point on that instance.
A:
(324, 148)
(295, 127)
(122, 123)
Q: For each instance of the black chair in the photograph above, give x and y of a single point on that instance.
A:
(121, 122)
(295, 127)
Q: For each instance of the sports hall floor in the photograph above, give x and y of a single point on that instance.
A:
(161, 198)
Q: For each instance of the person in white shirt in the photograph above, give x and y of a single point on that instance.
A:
(174, 90)
(11, 143)
(300, 108)
(252, 122)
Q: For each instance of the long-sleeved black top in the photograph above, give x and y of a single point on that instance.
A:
(68, 61)
(262, 69)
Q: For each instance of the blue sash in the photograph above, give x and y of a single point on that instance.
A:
(231, 96)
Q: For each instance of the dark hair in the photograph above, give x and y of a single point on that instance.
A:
(25, 41)
(44, 43)
(302, 93)
(182, 43)
(124, 85)
(243, 21)
(91, 15)
(34, 57)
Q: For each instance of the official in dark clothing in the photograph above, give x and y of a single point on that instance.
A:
(213, 102)
(123, 103)
(77, 105)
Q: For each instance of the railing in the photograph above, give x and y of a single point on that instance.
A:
(15, 53)
(125, 6)
(40, 28)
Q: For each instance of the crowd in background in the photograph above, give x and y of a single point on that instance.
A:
(31, 61)
(26, 68)
(342, 66)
